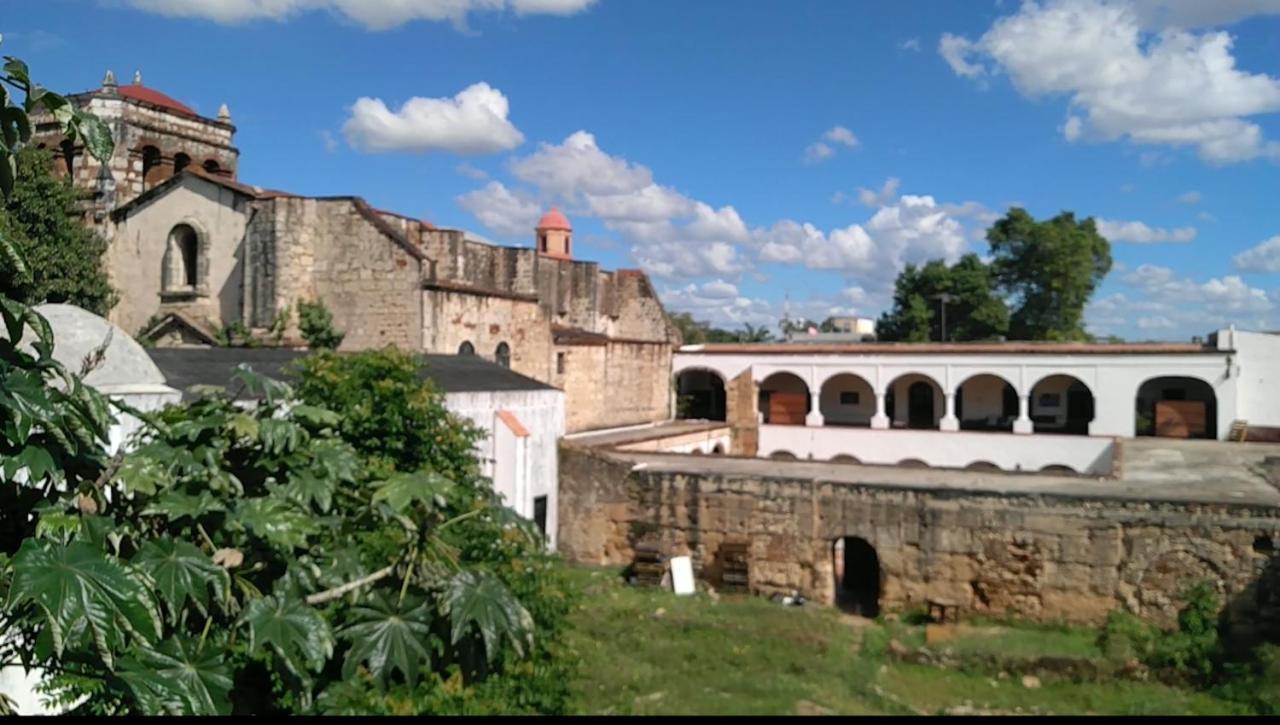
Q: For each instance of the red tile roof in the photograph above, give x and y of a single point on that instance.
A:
(155, 98)
(554, 220)
(513, 423)
(952, 348)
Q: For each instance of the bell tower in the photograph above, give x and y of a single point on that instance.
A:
(554, 236)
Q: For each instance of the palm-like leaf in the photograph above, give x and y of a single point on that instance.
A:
(295, 631)
(389, 638)
(402, 490)
(176, 679)
(182, 572)
(79, 589)
(276, 520)
(480, 599)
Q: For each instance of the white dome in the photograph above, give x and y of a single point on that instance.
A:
(77, 333)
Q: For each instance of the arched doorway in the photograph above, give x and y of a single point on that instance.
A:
(783, 456)
(1061, 404)
(466, 348)
(857, 570)
(1177, 407)
(784, 399)
(986, 403)
(914, 401)
(700, 395)
(847, 400)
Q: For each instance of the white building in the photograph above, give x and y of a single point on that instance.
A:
(1012, 406)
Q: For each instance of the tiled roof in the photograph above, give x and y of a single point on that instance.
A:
(955, 348)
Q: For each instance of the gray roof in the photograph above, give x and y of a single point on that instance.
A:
(184, 368)
(78, 334)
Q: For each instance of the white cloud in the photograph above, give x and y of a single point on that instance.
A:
(1224, 295)
(1156, 14)
(372, 14)
(1205, 216)
(886, 195)
(579, 166)
(1139, 233)
(472, 122)
(841, 135)
(912, 44)
(819, 151)
(826, 148)
(1263, 258)
(471, 172)
(1172, 87)
(330, 143)
(1190, 197)
(506, 212)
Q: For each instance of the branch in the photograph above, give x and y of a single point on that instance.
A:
(338, 592)
(110, 471)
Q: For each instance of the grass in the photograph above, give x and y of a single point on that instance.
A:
(644, 651)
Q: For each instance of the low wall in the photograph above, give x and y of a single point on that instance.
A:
(1008, 451)
(714, 441)
(1043, 557)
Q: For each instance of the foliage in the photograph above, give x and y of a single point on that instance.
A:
(796, 326)
(315, 322)
(973, 313)
(1050, 270)
(64, 258)
(696, 332)
(235, 334)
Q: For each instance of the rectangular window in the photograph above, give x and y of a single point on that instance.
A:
(849, 398)
(540, 513)
(560, 363)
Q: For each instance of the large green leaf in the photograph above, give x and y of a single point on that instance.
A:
(79, 589)
(277, 520)
(96, 135)
(143, 474)
(297, 633)
(402, 490)
(480, 599)
(389, 638)
(174, 505)
(307, 488)
(182, 572)
(176, 679)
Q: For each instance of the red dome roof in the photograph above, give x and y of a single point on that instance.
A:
(155, 98)
(554, 220)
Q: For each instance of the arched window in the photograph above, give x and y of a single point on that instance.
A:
(182, 260)
(502, 355)
(150, 166)
(180, 162)
(69, 157)
(466, 348)
(212, 166)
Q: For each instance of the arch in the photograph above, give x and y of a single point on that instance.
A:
(847, 400)
(912, 463)
(1061, 403)
(502, 355)
(857, 571)
(783, 456)
(984, 466)
(718, 450)
(986, 402)
(915, 400)
(466, 348)
(784, 399)
(698, 452)
(180, 162)
(212, 166)
(700, 395)
(1058, 468)
(846, 460)
(152, 166)
(68, 157)
(181, 264)
(1176, 407)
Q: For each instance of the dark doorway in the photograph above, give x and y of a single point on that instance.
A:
(540, 513)
(700, 395)
(857, 570)
(1079, 409)
(1176, 407)
(920, 405)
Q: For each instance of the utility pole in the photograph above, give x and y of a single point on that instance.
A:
(945, 297)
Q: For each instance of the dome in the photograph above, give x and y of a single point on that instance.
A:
(156, 98)
(77, 333)
(554, 220)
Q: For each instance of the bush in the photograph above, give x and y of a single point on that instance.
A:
(1125, 637)
(316, 325)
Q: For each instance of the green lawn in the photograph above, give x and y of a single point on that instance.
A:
(644, 651)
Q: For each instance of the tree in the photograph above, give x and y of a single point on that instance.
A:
(974, 312)
(63, 256)
(751, 333)
(315, 322)
(692, 332)
(791, 326)
(1050, 270)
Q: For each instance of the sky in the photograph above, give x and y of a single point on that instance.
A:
(755, 158)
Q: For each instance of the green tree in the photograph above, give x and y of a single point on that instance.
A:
(1050, 270)
(974, 311)
(692, 331)
(752, 333)
(315, 322)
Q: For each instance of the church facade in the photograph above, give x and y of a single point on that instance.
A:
(194, 250)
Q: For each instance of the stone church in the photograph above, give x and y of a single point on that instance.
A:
(193, 250)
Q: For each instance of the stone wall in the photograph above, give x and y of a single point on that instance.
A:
(614, 383)
(452, 317)
(1048, 558)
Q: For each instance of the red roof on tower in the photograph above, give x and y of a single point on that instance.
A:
(155, 98)
(554, 220)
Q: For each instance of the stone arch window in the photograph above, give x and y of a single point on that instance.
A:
(466, 348)
(151, 163)
(182, 260)
(180, 162)
(212, 166)
(502, 355)
(69, 157)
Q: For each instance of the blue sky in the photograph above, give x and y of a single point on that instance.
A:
(747, 152)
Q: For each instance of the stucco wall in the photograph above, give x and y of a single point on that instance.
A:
(1049, 558)
(1257, 377)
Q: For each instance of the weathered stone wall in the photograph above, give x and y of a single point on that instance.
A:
(614, 384)
(452, 317)
(1049, 558)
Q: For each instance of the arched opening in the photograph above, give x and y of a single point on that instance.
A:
(212, 166)
(1177, 407)
(1058, 469)
(847, 400)
(180, 162)
(69, 157)
(698, 452)
(783, 456)
(1061, 404)
(466, 348)
(914, 401)
(857, 570)
(986, 403)
(700, 395)
(784, 399)
(984, 466)
(718, 450)
(151, 167)
(502, 355)
(846, 460)
(912, 463)
(181, 260)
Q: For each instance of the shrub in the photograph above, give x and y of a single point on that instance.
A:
(316, 325)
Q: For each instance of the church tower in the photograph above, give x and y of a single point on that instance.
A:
(555, 236)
